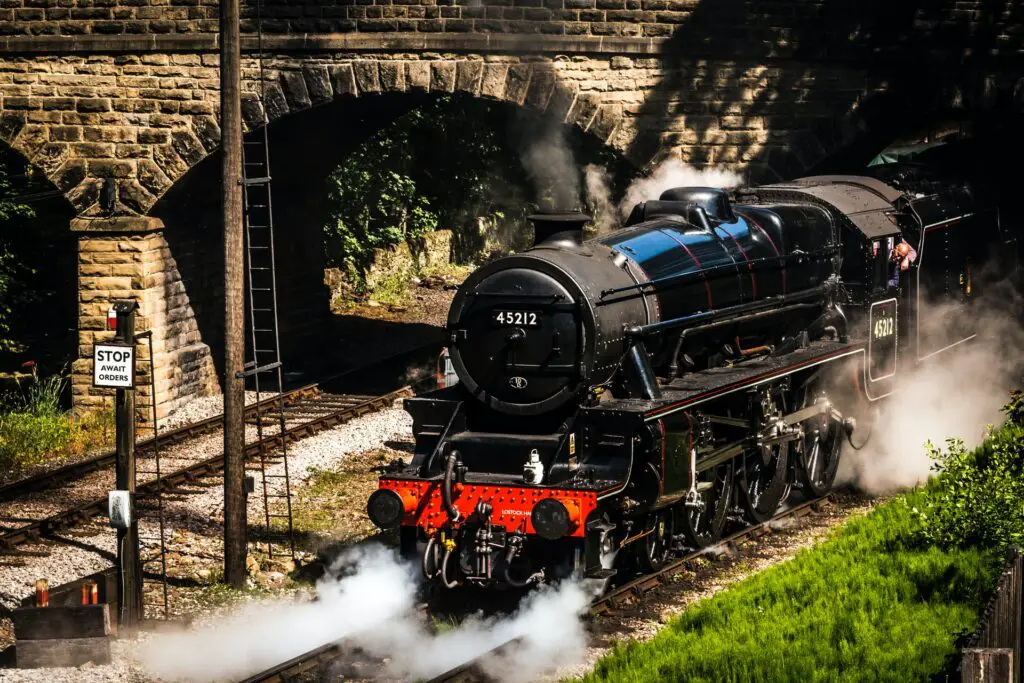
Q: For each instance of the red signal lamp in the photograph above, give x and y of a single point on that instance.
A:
(112, 319)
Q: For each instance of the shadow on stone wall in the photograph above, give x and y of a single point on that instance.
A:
(304, 150)
(758, 83)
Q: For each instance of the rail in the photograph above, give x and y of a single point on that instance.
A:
(75, 470)
(296, 666)
(34, 531)
(474, 670)
(637, 588)
(71, 471)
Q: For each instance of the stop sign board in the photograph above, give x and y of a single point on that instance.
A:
(113, 365)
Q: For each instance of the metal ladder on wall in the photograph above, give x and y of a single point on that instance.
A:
(264, 366)
(156, 473)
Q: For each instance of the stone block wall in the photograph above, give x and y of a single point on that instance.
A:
(140, 267)
(142, 121)
(803, 29)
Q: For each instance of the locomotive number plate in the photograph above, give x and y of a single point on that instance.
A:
(882, 340)
(504, 318)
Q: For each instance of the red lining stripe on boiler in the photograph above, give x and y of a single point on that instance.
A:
(703, 275)
(750, 266)
(785, 287)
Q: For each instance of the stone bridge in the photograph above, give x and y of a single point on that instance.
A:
(116, 101)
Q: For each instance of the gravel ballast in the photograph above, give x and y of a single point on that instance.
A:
(193, 525)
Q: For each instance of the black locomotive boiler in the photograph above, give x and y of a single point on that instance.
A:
(623, 395)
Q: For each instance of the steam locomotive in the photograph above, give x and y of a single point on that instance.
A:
(621, 396)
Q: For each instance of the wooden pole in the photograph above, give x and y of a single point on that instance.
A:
(128, 559)
(235, 541)
(987, 665)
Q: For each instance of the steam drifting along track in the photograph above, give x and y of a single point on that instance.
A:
(298, 666)
(473, 671)
(330, 411)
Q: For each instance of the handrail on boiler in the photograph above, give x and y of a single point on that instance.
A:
(783, 260)
(822, 291)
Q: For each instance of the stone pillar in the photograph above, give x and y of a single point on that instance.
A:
(128, 258)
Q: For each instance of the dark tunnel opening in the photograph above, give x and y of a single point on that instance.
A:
(38, 266)
(976, 146)
(305, 148)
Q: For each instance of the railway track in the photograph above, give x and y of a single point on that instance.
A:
(172, 437)
(330, 411)
(637, 588)
(472, 671)
(75, 470)
(298, 666)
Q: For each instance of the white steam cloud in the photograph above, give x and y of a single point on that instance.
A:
(549, 163)
(668, 174)
(597, 185)
(674, 173)
(956, 394)
(372, 608)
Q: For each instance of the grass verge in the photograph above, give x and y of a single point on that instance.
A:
(868, 604)
(330, 505)
(885, 598)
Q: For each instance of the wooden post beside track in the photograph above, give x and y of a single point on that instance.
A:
(128, 559)
(235, 542)
(988, 665)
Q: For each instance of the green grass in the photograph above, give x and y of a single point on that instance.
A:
(456, 271)
(321, 497)
(34, 428)
(869, 604)
(393, 290)
(885, 598)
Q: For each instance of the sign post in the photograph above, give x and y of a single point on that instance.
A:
(114, 366)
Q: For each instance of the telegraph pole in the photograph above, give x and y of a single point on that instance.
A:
(235, 541)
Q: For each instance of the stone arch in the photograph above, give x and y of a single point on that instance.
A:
(144, 119)
(168, 145)
(189, 215)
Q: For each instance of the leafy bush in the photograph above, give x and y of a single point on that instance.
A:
(40, 397)
(886, 598)
(376, 207)
(977, 499)
(1015, 407)
(455, 163)
(27, 439)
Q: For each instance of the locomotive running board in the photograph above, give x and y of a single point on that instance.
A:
(717, 382)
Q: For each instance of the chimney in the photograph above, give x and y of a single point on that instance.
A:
(558, 228)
